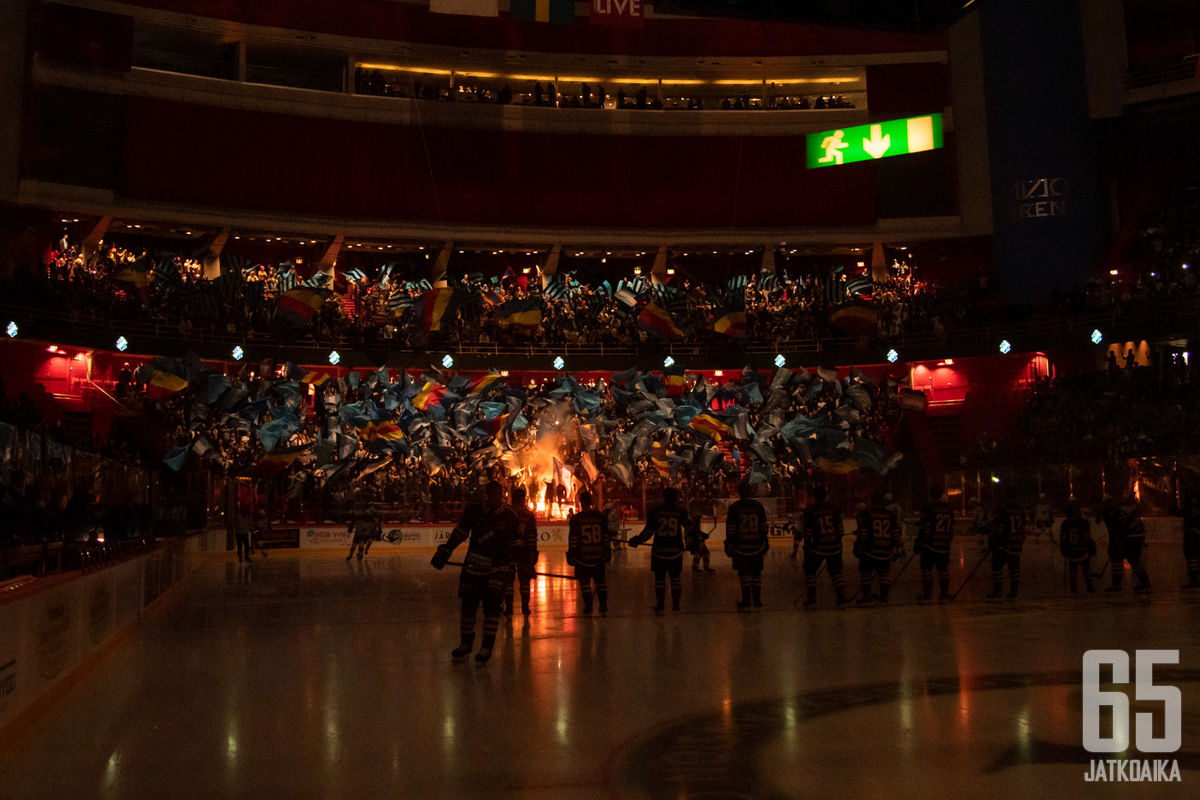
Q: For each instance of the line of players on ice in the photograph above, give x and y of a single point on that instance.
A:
(502, 544)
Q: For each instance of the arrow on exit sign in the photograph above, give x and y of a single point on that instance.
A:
(877, 140)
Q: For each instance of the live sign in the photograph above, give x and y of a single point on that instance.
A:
(874, 141)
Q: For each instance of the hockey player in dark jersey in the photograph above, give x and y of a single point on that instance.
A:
(1126, 537)
(1077, 548)
(934, 536)
(1005, 544)
(746, 542)
(879, 537)
(589, 548)
(823, 534)
(525, 553)
(667, 525)
(491, 531)
(1191, 539)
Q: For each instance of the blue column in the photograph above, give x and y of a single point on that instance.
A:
(1046, 191)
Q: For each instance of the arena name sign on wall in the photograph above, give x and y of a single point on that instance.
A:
(616, 13)
(898, 137)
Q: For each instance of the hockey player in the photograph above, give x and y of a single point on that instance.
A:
(981, 519)
(1077, 548)
(1191, 539)
(823, 534)
(1008, 536)
(934, 536)
(364, 527)
(1126, 537)
(589, 548)
(667, 525)
(525, 553)
(697, 541)
(879, 537)
(491, 531)
(797, 523)
(746, 542)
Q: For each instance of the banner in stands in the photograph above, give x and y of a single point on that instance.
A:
(316, 536)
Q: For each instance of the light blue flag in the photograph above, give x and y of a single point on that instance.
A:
(175, 458)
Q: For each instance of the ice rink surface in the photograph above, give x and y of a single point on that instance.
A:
(306, 676)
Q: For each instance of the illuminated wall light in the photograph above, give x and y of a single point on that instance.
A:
(122, 343)
(1097, 336)
(1005, 347)
(447, 361)
(670, 270)
(720, 373)
(334, 357)
(893, 356)
(238, 353)
(559, 363)
(12, 330)
(503, 373)
(1114, 272)
(780, 361)
(668, 361)
(995, 479)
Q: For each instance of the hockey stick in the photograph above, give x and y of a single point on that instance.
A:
(891, 580)
(971, 574)
(816, 575)
(543, 574)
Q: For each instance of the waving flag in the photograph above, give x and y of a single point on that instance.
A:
(674, 379)
(435, 305)
(302, 304)
(525, 313)
(711, 425)
(429, 395)
(657, 321)
(731, 322)
(490, 381)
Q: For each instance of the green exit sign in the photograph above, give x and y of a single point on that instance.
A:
(896, 137)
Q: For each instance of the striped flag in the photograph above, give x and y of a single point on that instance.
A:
(354, 275)
(318, 280)
(524, 313)
(302, 304)
(400, 301)
(860, 285)
(738, 283)
(711, 425)
(435, 306)
(429, 395)
(287, 281)
(674, 379)
(556, 287)
(490, 381)
(656, 320)
(730, 322)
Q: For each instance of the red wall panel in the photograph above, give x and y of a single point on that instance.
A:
(228, 158)
(381, 19)
(907, 90)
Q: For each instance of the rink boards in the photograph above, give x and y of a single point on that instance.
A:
(554, 534)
